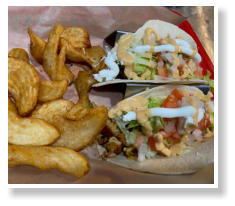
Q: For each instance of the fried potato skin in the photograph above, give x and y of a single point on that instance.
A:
(74, 134)
(83, 83)
(77, 112)
(37, 46)
(51, 90)
(29, 131)
(45, 158)
(23, 84)
(77, 36)
(93, 56)
(53, 63)
(19, 54)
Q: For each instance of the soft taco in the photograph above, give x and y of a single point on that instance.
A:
(164, 130)
(158, 52)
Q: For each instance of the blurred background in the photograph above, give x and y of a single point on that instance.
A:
(202, 21)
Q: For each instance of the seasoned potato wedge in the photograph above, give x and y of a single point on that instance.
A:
(37, 46)
(28, 130)
(45, 158)
(51, 90)
(83, 84)
(23, 84)
(19, 54)
(53, 63)
(74, 134)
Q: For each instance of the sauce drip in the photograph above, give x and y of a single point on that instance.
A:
(147, 36)
(123, 44)
(139, 105)
(194, 104)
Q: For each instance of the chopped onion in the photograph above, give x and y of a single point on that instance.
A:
(142, 151)
(160, 64)
(170, 127)
(173, 68)
(197, 134)
(167, 57)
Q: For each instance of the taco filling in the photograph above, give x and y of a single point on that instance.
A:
(144, 128)
(151, 58)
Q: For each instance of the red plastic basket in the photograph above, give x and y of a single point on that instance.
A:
(206, 63)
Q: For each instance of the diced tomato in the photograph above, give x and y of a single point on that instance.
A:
(139, 140)
(162, 71)
(198, 73)
(204, 123)
(177, 94)
(176, 135)
(170, 102)
(151, 142)
(180, 69)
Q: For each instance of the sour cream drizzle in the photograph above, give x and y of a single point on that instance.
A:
(169, 48)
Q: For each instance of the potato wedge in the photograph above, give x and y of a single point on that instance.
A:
(19, 54)
(37, 46)
(53, 63)
(74, 134)
(45, 158)
(29, 131)
(23, 84)
(51, 90)
(83, 83)
(77, 36)
(94, 56)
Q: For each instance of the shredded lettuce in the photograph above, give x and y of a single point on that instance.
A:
(139, 68)
(210, 81)
(142, 60)
(130, 136)
(211, 127)
(168, 67)
(157, 123)
(124, 112)
(156, 101)
(212, 124)
(153, 72)
(167, 143)
(122, 126)
(132, 124)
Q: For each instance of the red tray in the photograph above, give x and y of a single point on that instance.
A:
(206, 63)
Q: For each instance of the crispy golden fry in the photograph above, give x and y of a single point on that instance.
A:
(76, 36)
(83, 84)
(23, 84)
(29, 131)
(45, 158)
(74, 134)
(37, 46)
(77, 112)
(53, 63)
(51, 90)
(19, 54)
(94, 55)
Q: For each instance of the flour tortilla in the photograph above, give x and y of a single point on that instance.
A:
(163, 29)
(193, 158)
